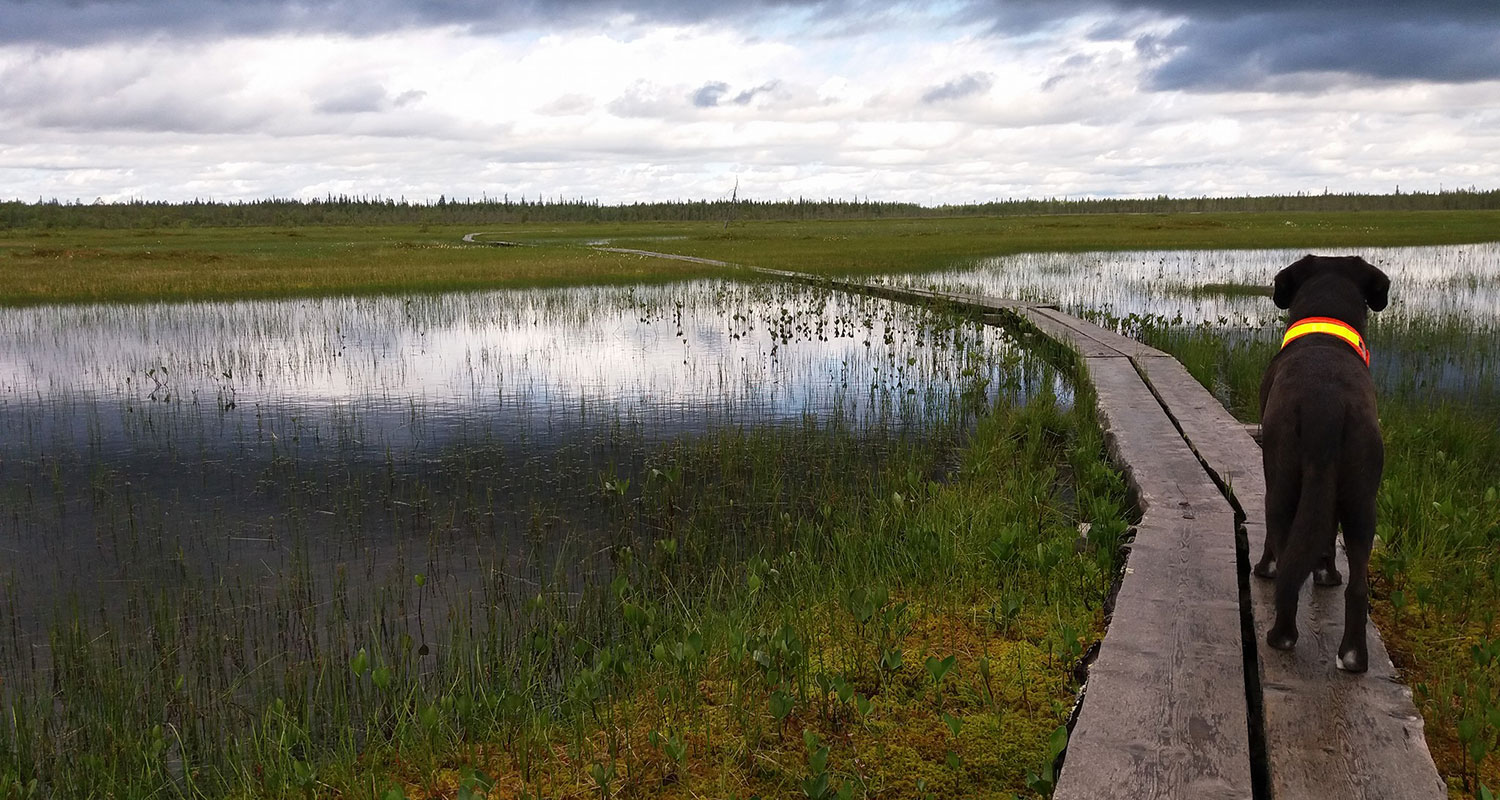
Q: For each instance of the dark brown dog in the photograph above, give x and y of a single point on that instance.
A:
(1321, 447)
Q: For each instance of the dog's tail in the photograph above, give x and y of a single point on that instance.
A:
(1315, 523)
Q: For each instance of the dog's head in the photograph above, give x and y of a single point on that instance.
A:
(1334, 286)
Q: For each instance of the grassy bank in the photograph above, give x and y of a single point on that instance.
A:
(90, 265)
(806, 617)
(1436, 573)
(231, 263)
(877, 246)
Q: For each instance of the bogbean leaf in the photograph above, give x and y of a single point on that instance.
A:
(781, 705)
(360, 663)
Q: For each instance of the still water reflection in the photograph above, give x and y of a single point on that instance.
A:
(143, 444)
(1451, 282)
(1440, 335)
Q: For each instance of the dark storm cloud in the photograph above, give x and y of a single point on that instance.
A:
(82, 21)
(1297, 49)
(1281, 44)
(1218, 44)
(972, 83)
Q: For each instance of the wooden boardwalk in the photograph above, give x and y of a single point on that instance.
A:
(1183, 701)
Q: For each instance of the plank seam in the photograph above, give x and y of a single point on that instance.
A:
(1260, 764)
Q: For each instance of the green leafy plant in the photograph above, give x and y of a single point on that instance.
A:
(1044, 780)
(938, 669)
(474, 784)
(816, 785)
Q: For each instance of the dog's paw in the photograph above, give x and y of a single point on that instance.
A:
(1281, 640)
(1352, 661)
(1327, 577)
(1265, 569)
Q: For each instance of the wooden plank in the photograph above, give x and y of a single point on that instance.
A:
(967, 302)
(1147, 440)
(1219, 439)
(909, 294)
(985, 302)
(1085, 346)
(1329, 735)
(1123, 344)
(1165, 713)
(673, 256)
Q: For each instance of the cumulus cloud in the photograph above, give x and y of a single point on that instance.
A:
(408, 97)
(355, 98)
(715, 93)
(571, 104)
(744, 97)
(963, 86)
(644, 100)
(707, 95)
(154, 115)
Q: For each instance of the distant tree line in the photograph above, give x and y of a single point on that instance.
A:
(351, 210)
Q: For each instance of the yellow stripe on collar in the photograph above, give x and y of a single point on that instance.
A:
(1332, 327)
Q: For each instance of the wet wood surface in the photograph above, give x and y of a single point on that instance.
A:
(1164, 714)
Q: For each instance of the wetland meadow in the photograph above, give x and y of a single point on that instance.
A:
(368, 512)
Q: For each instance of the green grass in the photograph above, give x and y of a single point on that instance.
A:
(230, 263)
(921, 244)
(48, 266)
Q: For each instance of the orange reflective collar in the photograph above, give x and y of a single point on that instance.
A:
(1332, 327)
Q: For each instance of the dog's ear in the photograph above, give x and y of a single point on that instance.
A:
(1376, 286)
(1289, 279)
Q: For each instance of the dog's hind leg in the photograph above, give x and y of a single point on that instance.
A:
(1359, 536)
(1326, 573)
(1306, 540)
(1282, 490)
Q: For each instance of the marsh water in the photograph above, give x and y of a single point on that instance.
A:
(1441, 330)
(452, 437)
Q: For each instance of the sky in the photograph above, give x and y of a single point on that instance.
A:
(642, 100)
